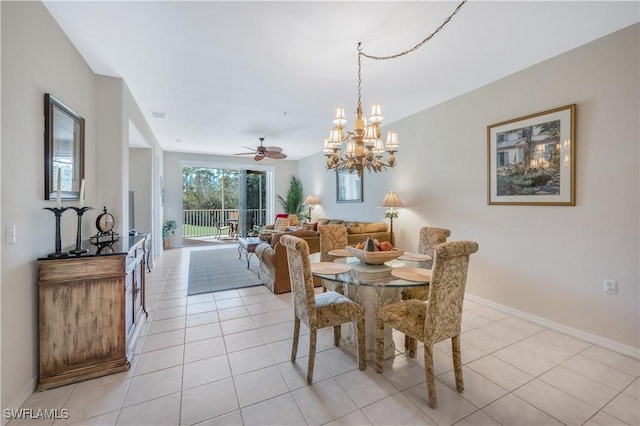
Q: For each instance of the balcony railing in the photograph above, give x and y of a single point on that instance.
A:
(207, 222)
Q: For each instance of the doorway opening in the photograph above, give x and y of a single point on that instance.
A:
(221, 204)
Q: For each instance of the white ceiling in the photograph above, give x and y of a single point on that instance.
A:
(227, 73)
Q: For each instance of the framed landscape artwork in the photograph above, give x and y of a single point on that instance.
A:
(531, 160)
(349, 187)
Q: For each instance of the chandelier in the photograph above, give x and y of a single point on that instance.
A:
(364, 148)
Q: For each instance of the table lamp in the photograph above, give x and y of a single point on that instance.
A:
(310, 202)
(392, 202)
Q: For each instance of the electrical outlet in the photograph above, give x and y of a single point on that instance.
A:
(610, 287)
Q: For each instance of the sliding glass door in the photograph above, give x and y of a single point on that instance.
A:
(223, 202)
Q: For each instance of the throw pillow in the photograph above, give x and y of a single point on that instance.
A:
(336, 221)
(293, 220)
(323, 222)
(310, 226)
(281, 224)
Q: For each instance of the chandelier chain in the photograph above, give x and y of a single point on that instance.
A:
(416, 47)
(360, 76)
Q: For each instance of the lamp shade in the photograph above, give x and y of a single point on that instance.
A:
(391, 200)
(311, 201)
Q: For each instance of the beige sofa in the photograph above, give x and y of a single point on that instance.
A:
(274, 269)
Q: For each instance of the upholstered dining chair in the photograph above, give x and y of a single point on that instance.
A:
(439, 318)
(332, 237)
(430, 237)
(329, 309)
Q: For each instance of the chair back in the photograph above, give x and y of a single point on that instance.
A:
(332, 237)
(430, 237)
(302, 291)
(446, 290)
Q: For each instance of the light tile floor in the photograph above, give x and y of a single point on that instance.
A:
(223, 359)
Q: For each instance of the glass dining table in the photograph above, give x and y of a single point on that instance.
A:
(372, 286)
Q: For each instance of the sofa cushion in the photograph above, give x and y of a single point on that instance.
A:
(367, 228)
(300, 233)
(335, 222)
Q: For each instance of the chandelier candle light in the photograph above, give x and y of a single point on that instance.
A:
(364, 148)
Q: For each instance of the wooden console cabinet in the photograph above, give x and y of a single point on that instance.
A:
(90, 311)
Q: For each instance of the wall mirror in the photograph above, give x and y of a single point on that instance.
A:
(349, 187)
(63, 150)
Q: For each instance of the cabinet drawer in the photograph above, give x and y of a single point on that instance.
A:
(76, 269)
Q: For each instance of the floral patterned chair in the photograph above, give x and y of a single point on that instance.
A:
(328, 309)
(439, 318)
(430, 237)
(332, 237)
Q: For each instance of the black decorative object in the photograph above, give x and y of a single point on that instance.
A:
(79, 211)
(57, 211)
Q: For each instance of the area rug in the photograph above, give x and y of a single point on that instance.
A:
(220, 269)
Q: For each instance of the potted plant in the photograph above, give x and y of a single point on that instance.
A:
(168, 234)
(294, 200)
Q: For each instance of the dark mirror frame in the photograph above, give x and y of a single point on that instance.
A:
(55, 134)
(349, 186)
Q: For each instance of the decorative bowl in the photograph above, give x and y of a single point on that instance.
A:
(375, 257)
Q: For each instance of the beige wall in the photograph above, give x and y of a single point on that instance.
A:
(37, 58)
(545, 262)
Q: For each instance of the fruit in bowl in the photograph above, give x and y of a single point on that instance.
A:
(372, 244)
(385, 246)
(375, 257)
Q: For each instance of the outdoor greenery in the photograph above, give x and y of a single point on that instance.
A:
(206, 188)
(294, 200)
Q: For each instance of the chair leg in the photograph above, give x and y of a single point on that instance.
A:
(337, 333)
(457, 362)
(313, 334)
(413, 347)
(379, 345)
(431, 380)
(362, 362)
(296, 335)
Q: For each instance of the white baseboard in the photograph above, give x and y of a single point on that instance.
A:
(21, 398)
(574, 332)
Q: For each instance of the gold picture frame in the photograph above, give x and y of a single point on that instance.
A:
(531, 159)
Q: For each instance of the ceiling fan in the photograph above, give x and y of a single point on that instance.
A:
(261, 152)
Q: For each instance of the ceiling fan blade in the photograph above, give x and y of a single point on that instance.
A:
(245, 153)
(249, 148)
(274, 148)
(276, 155)
(258, 157)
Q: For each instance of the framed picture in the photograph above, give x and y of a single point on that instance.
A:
(349, 187)
(531, 160)
(63, 150)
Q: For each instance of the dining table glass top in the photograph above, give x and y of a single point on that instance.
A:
(385, 275)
